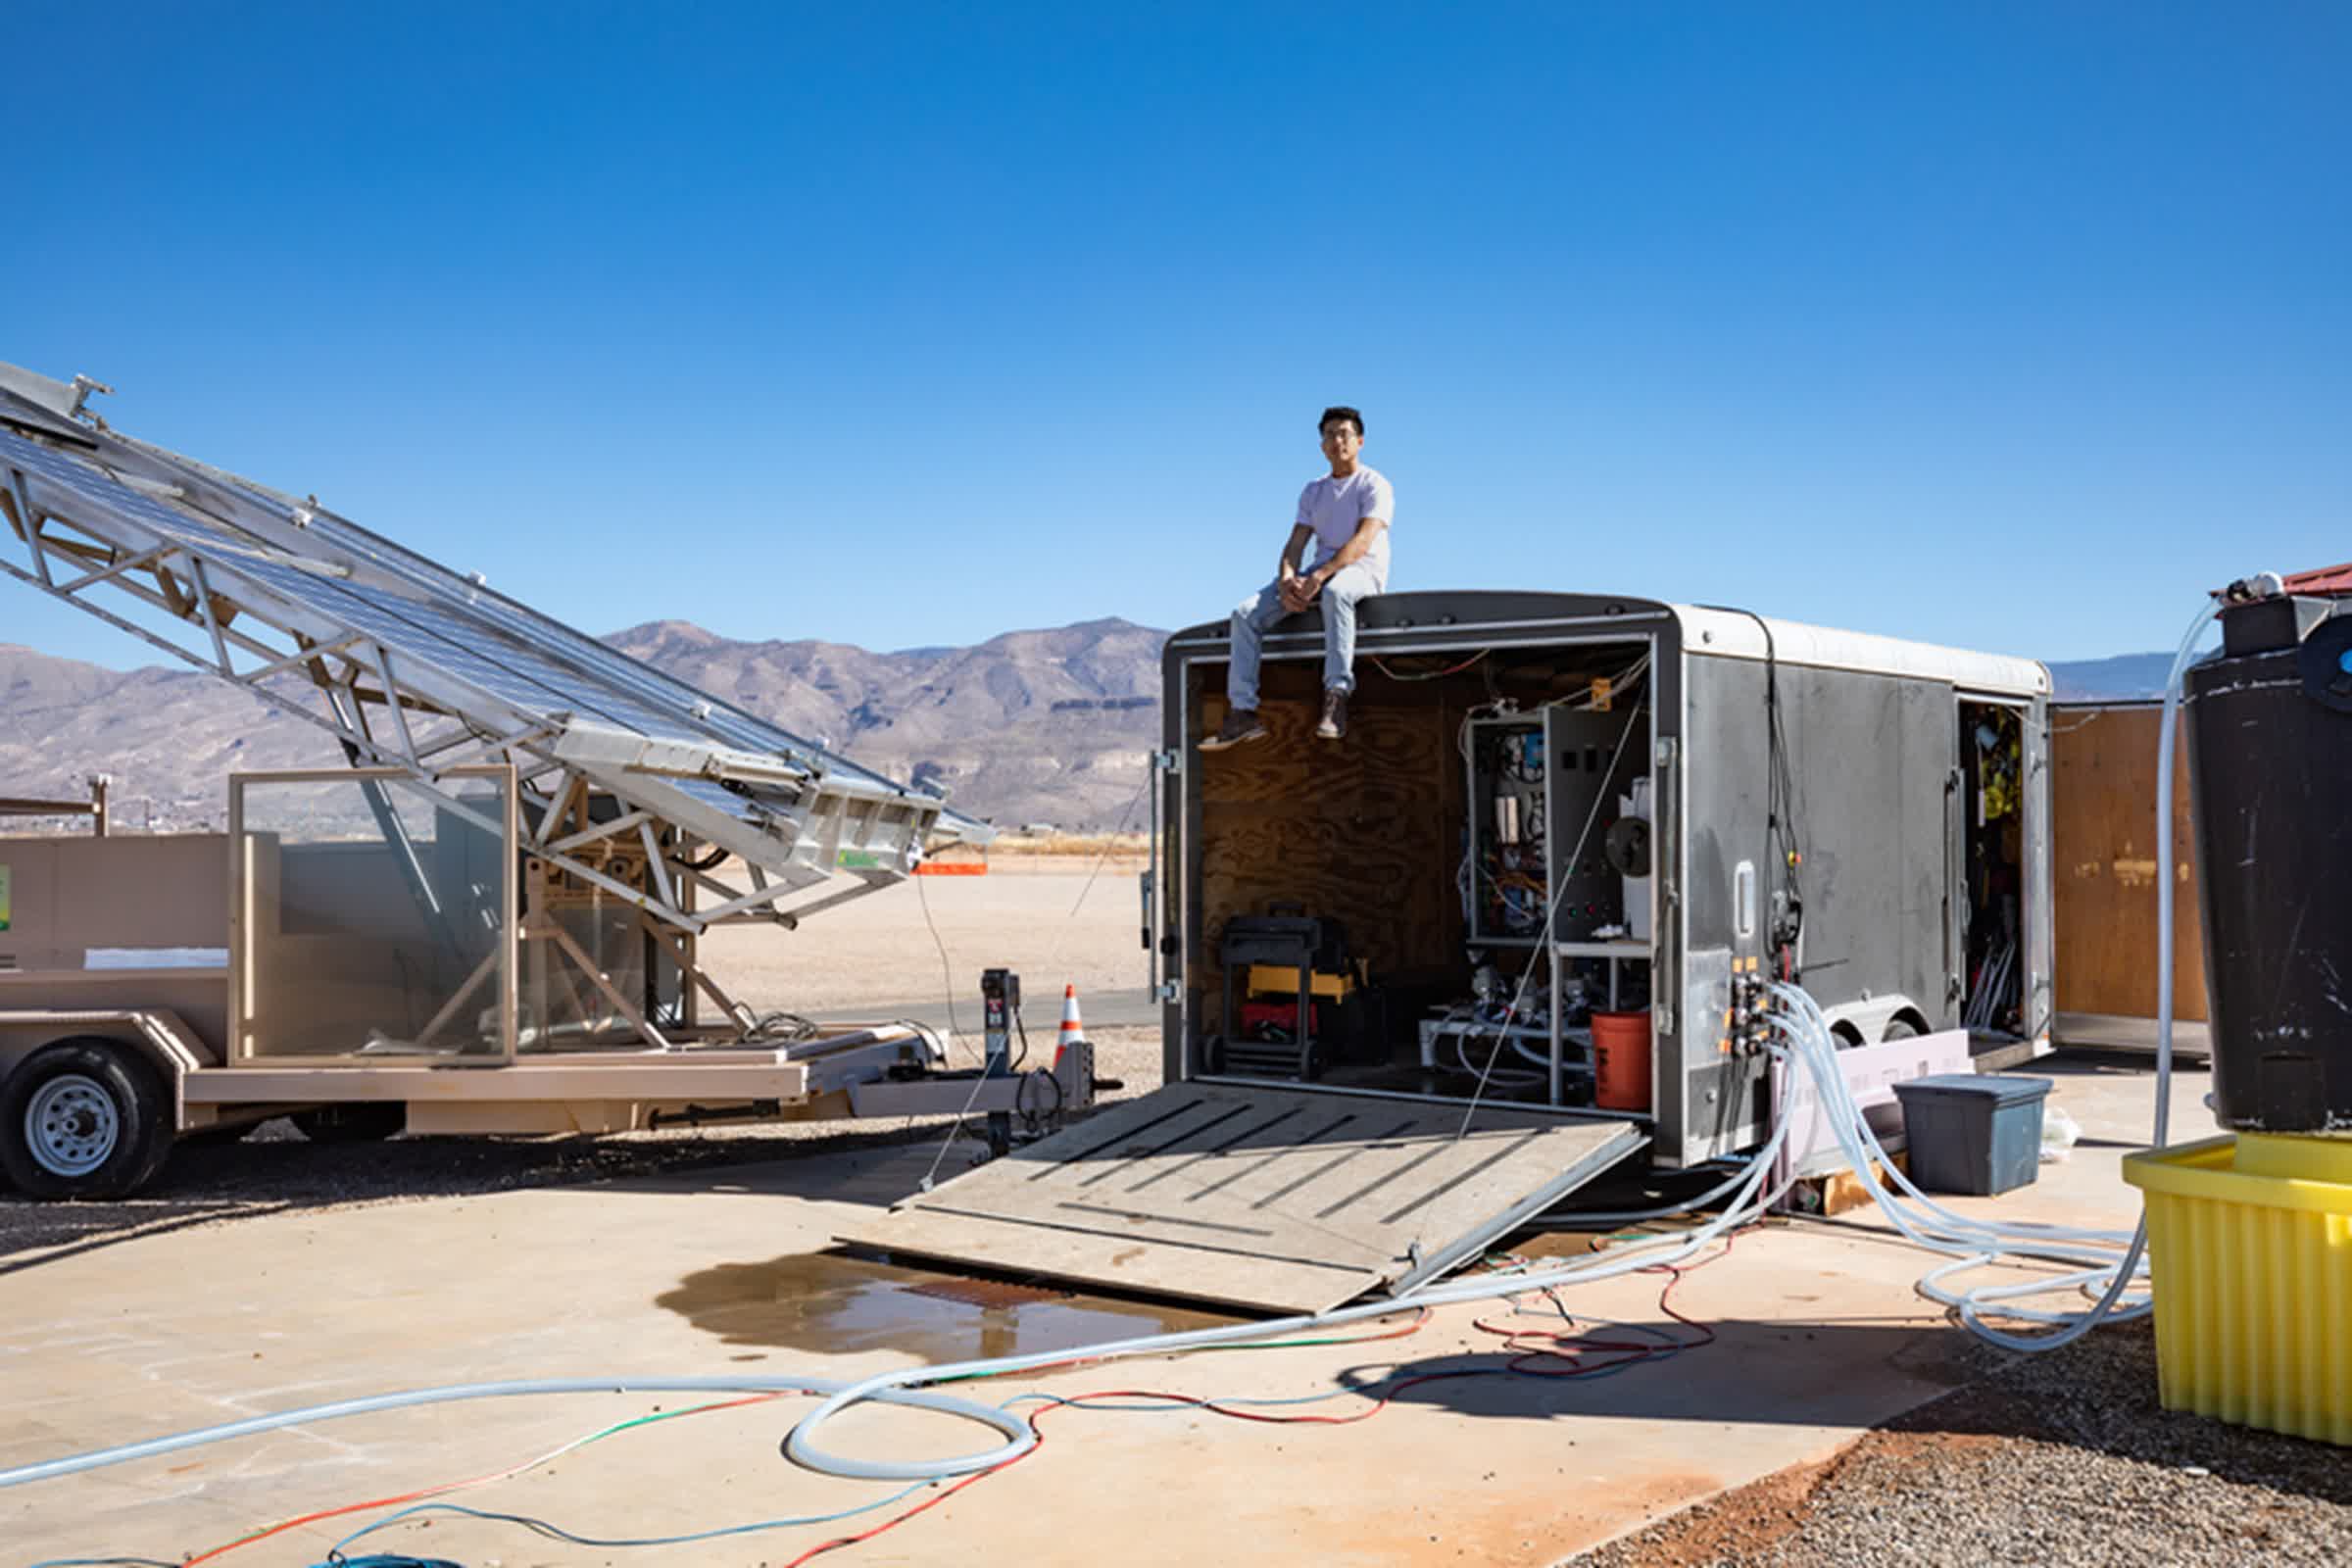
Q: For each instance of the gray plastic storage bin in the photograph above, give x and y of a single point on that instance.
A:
(1976, 1133)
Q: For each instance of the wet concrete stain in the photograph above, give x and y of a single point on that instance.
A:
(834, 1303)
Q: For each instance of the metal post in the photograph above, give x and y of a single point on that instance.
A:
(99, 783)
(1556, 1020)
(1001, 995)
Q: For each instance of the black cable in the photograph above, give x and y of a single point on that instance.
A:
(1035, 1120)
(709, 862)
(1784, 836)
(1112, 842)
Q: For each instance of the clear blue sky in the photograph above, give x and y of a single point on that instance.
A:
(2008, 326)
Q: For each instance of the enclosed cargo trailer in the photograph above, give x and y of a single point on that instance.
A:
(1868, 815)
(1421, 983)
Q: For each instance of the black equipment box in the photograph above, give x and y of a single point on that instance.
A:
(1288, 937)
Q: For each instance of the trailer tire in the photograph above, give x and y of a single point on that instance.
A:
(1899, 1027)
(83, 1118)
(365, 1122)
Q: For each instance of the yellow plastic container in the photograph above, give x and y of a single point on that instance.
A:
(2250, 1239)
(1281, 980)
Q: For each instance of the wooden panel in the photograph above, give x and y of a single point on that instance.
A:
(2103, 863)
(1366, 830)
(1277, 1199)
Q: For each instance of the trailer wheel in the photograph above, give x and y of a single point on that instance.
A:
(365, 1121)
(83, 1118)
(1899, 1028)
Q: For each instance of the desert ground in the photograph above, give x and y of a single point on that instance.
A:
(1054, 919)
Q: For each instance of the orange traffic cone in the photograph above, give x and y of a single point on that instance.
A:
(1073, 1032)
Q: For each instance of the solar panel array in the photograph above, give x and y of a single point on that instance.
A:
(478, 649)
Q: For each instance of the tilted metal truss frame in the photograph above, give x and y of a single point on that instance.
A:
(410, 666)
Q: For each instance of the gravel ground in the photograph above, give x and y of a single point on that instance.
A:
(278, 1169)
(2063, 1458)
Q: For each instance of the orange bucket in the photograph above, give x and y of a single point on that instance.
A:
(1621, 1061)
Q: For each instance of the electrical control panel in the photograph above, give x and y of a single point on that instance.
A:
(1546, 790)
(1596, 757)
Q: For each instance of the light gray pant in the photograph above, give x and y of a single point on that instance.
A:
(1254, 615)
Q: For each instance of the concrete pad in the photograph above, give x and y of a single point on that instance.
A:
(1820, 1336)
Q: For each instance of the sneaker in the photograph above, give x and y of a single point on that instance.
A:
(1240, 725)
(1335, 716)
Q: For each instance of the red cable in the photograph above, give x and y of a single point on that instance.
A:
(889, 1525)
(429, 1491)
(1193, 1402)
(1382, 664)
(1638, 1352)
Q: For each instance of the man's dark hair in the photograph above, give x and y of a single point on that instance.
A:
(1343, 413)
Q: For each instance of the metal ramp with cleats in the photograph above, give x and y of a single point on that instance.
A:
(1270, 1199)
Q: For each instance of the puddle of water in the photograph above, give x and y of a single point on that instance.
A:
(831, 1303)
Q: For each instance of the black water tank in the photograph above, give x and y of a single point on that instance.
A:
(2269, 733)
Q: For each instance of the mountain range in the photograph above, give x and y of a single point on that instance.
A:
(1028, 727)
(1031, 726)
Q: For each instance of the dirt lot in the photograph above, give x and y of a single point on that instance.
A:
(1052, 919)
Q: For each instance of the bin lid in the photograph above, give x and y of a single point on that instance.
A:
(2003, 1089)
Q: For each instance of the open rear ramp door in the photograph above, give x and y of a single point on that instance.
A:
(1286, 1200)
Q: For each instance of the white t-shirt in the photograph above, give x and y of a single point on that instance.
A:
(1334, 508)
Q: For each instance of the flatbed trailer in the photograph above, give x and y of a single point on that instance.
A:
(490, 922)
(155, 988)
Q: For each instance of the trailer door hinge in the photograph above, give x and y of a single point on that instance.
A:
(1167, 761)
(1165, 991)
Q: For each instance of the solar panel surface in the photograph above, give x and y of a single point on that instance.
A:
(461, 630)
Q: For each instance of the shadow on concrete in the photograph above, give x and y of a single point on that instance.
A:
(2093, 1061)
(1822, 1373)
(870, 1169)
(211, 1184)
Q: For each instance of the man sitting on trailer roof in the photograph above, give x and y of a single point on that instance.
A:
(1347, 512)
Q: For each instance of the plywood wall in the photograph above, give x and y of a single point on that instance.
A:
(2103, 848)
(1367, 829)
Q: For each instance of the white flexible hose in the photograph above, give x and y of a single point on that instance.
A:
(2102, 1257)
(1650, 1252)
(1504, 1077)
(1012, 1426)
(1977, 1244)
